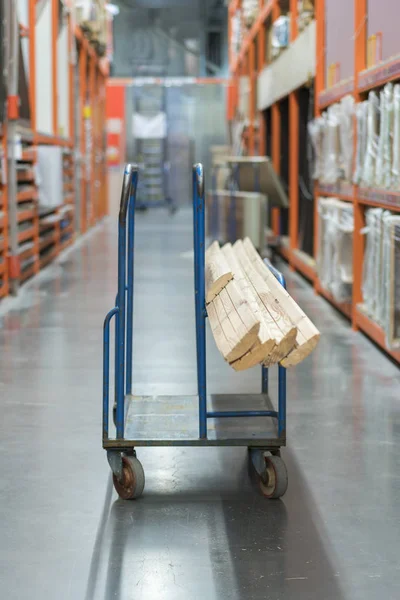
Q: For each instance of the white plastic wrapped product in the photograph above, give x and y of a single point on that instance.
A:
(396, 139)
(384, 154)
(392, 281)
(346, 132)
(380, 292)
(316, 132)
(372, 268)
(335, 247)
(331, 171)
(367, 286)
(324, 262)
(361, 111)
(382, 132)
(388, 138)
(341, 286)
(368, 174)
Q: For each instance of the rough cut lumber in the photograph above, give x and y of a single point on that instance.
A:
(234, 326)
(279, 325)
(217, 272)
(307, 334)
(265, 344)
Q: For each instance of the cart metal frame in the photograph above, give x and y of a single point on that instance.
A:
(237, 419)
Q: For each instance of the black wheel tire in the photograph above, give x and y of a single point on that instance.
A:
(276, 478)
(131, 484)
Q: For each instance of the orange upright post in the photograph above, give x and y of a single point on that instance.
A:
(294, 116)
(252, 98)
(276, 158)
(54, 37)
(319, 87)
(91, 117)
(32, 103)
(82, 102)
(360, 49)
(276, 136)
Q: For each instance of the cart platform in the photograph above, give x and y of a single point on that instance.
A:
(174, 420)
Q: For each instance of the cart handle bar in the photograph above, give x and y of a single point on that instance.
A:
(129, 184)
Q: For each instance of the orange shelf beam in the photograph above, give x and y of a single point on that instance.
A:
(379, 198)
(375, 332)
(343, 307)
(301, 266)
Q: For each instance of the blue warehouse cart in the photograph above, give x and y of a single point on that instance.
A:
(249, 420)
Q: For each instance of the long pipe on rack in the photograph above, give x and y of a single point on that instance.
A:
(11, 18)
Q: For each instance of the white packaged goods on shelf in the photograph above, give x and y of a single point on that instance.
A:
(396, 139)
(345, 115)
(335, 247)
(391, 264)
(236, 24)
(316, 130)
(305, 10)
(373, 257)
(369, 168)
(250, 10)
(361, 111)
(50, 175)
(280, 34)
(331, 146)
(381, 272)
(332, 140)
(385, 141)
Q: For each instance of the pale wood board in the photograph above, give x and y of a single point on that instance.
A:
(217, 273)
(307, 334)
(266, 344)
(277, 322)
(233, 337)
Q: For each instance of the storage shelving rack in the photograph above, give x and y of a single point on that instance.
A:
(365, 78)
(4, 287)
(44, 232)
(27, 211)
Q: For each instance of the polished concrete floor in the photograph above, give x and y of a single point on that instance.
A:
(202, 530)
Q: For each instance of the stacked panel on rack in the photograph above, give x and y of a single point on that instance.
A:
(67, 210)
(3, 227)
(27, 205)
(49, 231)
(381, 273)
(335, 247)
(51, 195)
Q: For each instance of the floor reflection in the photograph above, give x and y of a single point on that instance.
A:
(202, 530)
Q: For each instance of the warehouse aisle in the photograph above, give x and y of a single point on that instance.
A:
(201, 530)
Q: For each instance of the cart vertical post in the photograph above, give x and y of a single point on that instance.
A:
(129, 184)
(200, 294)
(130, 283)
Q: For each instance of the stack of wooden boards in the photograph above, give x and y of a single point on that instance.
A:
(253, 318)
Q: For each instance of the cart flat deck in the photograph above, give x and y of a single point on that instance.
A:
(174, 420)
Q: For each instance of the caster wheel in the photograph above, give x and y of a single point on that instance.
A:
(276, 482)
(131, 485)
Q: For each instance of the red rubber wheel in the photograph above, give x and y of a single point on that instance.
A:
(276, 478)
(131, 484)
